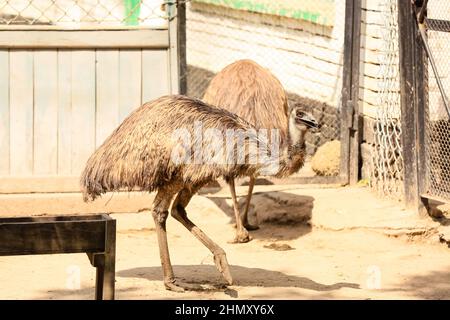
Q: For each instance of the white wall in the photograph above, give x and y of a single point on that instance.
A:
(306, 57)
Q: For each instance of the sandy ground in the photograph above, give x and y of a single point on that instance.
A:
(342, 244)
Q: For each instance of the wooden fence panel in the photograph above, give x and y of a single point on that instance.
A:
(59, 102)
(45, 128)
(21, 112)
(83, 108)
(154, 63)
(107, 113)
(65, 124)
(4, 112)
(130, 81)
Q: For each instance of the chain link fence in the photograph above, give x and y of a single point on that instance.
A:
(437, 123)
(84, 13)
(300, 42)
(386, 176)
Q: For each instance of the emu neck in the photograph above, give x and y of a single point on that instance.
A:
(291, 160)
(293, 157)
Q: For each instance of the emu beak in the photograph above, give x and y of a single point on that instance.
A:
(307, 119)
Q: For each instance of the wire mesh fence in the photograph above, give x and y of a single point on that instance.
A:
(84, 13)
(300, 42)
(437, 123)
(387, 169)
(388, 175)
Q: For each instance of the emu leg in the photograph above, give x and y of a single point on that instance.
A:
(247, 225)
(242, 235)
(160, 212)
(179, 213)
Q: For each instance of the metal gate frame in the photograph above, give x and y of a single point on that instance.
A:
(351, 133)
(413, 86)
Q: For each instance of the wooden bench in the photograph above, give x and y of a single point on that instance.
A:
(93, 234)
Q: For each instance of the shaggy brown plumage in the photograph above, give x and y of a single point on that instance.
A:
(253, 93)
(137, 155)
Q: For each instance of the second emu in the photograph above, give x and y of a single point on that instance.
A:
(253, 93)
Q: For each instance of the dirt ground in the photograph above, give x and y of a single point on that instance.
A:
(314, 243)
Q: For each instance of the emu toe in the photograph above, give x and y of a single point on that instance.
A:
(172, 286)
(220, 259)
(242, 237)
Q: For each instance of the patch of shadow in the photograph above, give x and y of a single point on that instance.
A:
(206, 278)
(444, 240)
(439, 212)
(444, 221)
(243, 277)
(281, 215)
(218, 185)
(433, 285)
(259, 182)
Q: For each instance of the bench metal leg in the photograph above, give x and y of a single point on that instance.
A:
(109, 278)
(99, 282)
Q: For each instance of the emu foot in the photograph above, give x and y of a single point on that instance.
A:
(171, 285)
(180, 286)
(220, 259)
(242, 237)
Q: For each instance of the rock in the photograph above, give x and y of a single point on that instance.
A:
(326, 161)
(279, 247)
(281, 208)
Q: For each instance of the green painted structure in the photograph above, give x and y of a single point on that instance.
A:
(317, 11)
(132, 12)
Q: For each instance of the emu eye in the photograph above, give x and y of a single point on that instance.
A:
(300, 114)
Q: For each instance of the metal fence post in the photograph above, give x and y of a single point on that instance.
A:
(181, 29)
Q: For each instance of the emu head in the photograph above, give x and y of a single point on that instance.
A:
(300, 122)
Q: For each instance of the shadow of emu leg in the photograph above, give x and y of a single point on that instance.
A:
(245, 223)
(242, 235)
(160, 211)
(179, 213)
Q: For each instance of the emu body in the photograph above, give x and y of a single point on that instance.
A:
(253, 93)
(139, 155)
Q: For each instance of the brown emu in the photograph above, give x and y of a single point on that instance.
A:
(256, 95)
(139, 154)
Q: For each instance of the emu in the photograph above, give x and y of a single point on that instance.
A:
(256, 95)
(138, 155)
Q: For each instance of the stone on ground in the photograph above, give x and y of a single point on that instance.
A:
(326, 161)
